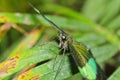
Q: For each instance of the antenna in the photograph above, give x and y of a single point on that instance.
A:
(39, 12)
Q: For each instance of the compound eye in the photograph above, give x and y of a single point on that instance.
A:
(63, 37)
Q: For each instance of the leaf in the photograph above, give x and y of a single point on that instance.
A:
(29, 41)
(27, 57)
(71, 24)
(115, 75)
(91, 39)
(18, 18)
(77, 76)
(114, 24)
(93, 9)
(66, 12)
(3, 30)
(30, 19)
(111, 11)
(105, 52)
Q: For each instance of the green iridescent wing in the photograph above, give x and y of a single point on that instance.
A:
(85, 62)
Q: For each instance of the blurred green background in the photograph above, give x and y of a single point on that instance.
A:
(95, 23)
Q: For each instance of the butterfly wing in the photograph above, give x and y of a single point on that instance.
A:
(85, 61)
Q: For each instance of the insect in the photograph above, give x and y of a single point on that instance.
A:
(82, 55)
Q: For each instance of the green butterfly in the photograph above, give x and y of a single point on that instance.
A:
(81, 54)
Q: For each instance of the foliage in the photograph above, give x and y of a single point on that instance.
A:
(28, 47)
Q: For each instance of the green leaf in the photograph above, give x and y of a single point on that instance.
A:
(111, 11)
(3, 30)
(77, 76)
(91, 39)
(30, 19)
(18, 18)
(115, 75)
(46, 71)
(104, 52)
(27, 58)
(66, 12)
(26, 43)
(114, 24)
(93, 9)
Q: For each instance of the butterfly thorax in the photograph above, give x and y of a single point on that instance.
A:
(64, 39)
